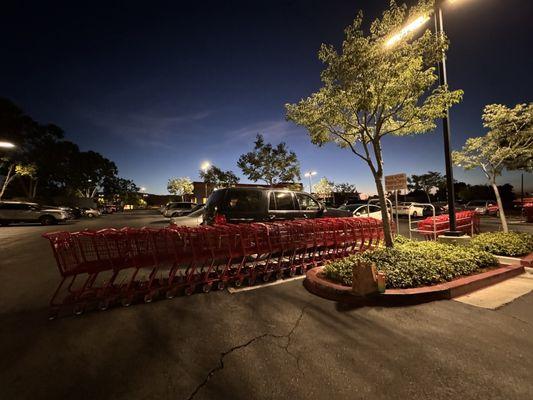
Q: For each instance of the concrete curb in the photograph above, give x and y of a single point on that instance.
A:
(525, 261)
(318, 285)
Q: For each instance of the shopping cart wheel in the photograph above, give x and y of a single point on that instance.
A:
(53, 313)
(279, 275)
(266, 277)
(103, 305)
(206, 288)
(292, 272)
(126, 301)
(238, 282)
(303, 269)
(189, 290)
(221, 285)
(148, 297)
(171, 293)
(79, 309)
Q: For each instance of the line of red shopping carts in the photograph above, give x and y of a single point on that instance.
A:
(124, 265)
(466, 221)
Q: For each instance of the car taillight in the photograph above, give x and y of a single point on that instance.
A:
(220, 219)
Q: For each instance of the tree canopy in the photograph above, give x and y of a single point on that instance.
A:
(324, 188)
(371, 89)
(426, 182)
(43, 161)
(219, 178)
(180, 186)
(507, 144)
(270, 164)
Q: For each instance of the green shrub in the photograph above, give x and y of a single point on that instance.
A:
(412, 264)
(504, 244)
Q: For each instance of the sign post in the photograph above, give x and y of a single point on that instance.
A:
(393, 183)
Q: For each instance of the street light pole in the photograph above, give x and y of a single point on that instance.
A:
(309, 174)
(205, 167)
(443, 81)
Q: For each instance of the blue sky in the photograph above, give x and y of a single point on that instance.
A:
(160, 88)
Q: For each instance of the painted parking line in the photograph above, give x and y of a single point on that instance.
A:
(264, 285)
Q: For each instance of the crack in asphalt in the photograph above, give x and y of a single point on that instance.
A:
(220, 365)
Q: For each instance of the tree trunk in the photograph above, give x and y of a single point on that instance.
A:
(429, 198)
(8, 178)
(34, 192)
(387, 231)
(500, 207)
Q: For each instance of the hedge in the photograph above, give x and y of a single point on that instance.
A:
(511, 244)
(411, 264)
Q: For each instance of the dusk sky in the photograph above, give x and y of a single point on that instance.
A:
(159, 87)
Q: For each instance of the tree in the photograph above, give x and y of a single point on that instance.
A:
(426, 182)
(371, 90)
(270, 164)
(28, 135)
(513, 128)
(125, 190)
(344, 188)
(180, 186)
(323, 188)
(88, 171)
(506, 144)
(219, 178)
(28, 174)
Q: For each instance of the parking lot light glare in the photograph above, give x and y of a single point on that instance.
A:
(418, 22)
(205, 166)
(7, 145)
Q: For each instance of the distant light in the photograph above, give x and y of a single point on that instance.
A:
(417, 23)
(310, 173)
(7, 145)
(205, 166)
(142, 189)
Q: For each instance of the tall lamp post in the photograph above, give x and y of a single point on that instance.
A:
(205, 167)
(443, 80)
(309, 175)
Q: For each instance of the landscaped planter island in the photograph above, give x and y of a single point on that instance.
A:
(417, 272)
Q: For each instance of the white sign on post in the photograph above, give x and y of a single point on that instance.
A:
(395, 182)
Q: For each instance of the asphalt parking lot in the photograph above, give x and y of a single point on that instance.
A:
(275, 342)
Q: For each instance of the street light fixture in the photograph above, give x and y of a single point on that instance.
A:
(410, 27)
(309, 174)
(7, 145)
(443, 81)
(205, 167)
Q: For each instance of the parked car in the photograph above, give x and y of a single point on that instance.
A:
(16, 211)
(236, 205)
(90, 212)
(363, 210)
(178, 209)
(73, 212)
(439, 210)
(195, 218)
(108, 209)
(485, 207)
(406, 208)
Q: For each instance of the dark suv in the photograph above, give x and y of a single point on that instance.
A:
(236, 205)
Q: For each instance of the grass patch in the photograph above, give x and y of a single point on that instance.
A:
(412, 264)
(512, 244)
